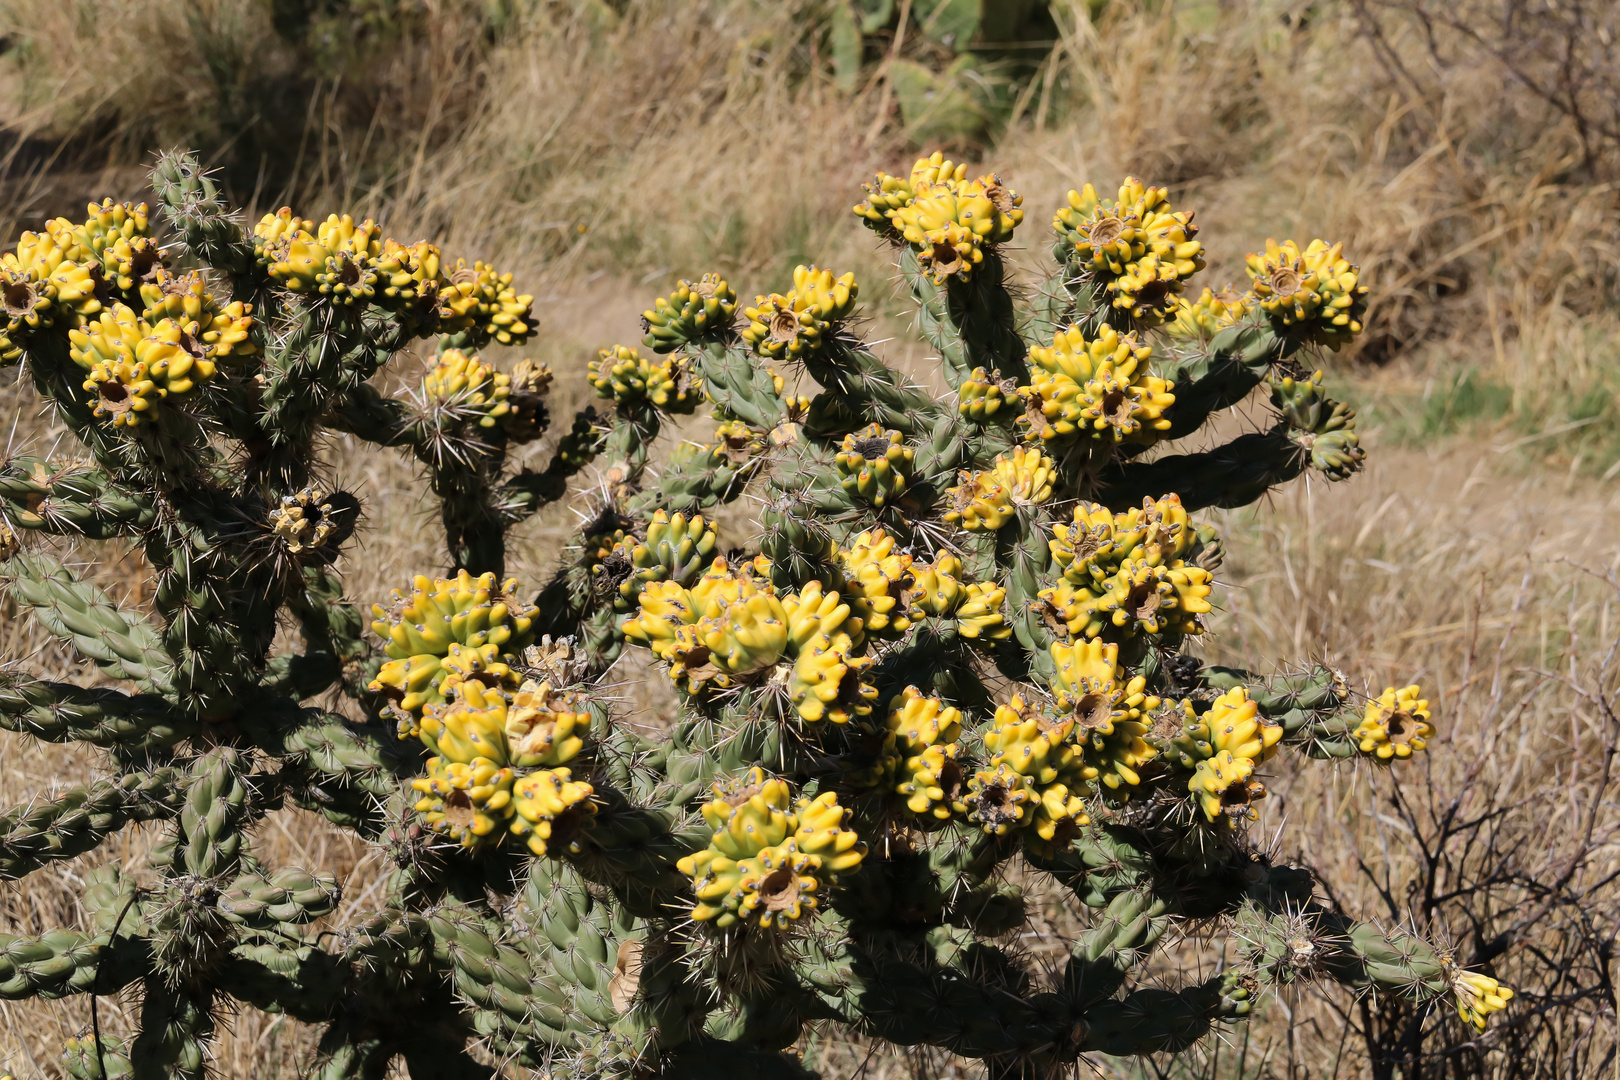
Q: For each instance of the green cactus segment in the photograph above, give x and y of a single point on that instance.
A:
(79, 819)
(955, 643)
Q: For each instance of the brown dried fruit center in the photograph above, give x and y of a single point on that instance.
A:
(1093, 710)
(458, 809)
(1152, 294)
(538, 737)
(945, 257)
(741, 795)
(1000, 197)
(784, 327)
(780, 889)
(115, 396)
(1285, 282)
(1106, 231)
(18, 297)
(995, 805)
(1402, 728)
(874, 448)
(950, 781)
(704, 289)
(1143, 600)
(348, 271)
(1116, 407)
(143, 264)
(1238, 795)
(192, 345)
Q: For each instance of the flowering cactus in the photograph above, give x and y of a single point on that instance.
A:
(958, 646)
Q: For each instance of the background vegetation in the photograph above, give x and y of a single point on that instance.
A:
(1468, 153)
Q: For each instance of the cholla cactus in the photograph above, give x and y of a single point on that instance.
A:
(959, 645)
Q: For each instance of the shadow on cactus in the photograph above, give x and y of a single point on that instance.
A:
(957, 645)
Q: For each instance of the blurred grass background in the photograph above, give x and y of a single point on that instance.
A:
(1468, 156)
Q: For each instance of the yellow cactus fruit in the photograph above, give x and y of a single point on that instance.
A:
(665, 606)
(692, 310)
(175, 356)
(303, 521)
(677, 548)
(1316, 293)
(1478, 996)
(1097, 389)
(545, 727)
(621, 375)
(1235, 725)
(737, 442)
(336, 260)
(1212, 312)
(936, 588)
(472, 725)
(9, 544)
(1115, 243)
(468, 802)
(552, 810)
(184, 298)
(947, 224)
(766, 864)
(1137, 598)
(918, 759)
(979, 614)
(123, 390)
(127, 265)
(419, 630)
(1110, 716)
(115, 241)
(39, 287)
(802, 322)
(748, 634)
(480, 300)
(409, 276)
(875, 577)
(467, 385)
(884, 195)
(983, 396)
(1036, 747)
(485, 663)
(526, 394)
(1395, 725)
(1225, 788)
(275, 230)
(825, 682)
(985, 501)
(813, 611)
(874, 464)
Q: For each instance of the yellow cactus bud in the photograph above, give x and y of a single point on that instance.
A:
(1223, 785)
(468, 386)
(303, 521)
(1136, 248)
(692, 310)
(1137, 598)
(1478, 996)
(478, 299)
(1316, 293)
(552, 810)
(804, 320)
(621, 375)
(874, 464)
(1207, 316)
(983, 396)
(467, 801)
(875, 576)
(825, 681)
(985, 501)
(1097, 389)
(1395, 725)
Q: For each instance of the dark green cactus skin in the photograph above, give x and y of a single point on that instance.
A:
(585, 961)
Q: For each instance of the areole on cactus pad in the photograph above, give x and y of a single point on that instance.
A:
(956, 646)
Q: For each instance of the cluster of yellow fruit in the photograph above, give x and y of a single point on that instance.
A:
(352, 263)
(1094, 389)
(890, 590)
(513, 403)
(984, 501)
(622, 375)
(771, 859)
(1137, 572)
(140, 333)
(500, 742)
(803, 321)
(946, 218)
(730, 627)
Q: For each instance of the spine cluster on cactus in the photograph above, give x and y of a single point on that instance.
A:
(957, 641)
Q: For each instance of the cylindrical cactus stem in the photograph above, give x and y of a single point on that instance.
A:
(64, 962)
(1235, 362)
(216, 809)
(971, 324)
(1151, 1021)
(85, 617)
(738, 385)
(129, 725)
(1022, 547)
(86, 1058)
(869, 389)
(176, 1026)
(1229, 476)
(70, 500)
(300, 981)
(1125, 931)
(209, 230)
(352, 1050)
(77, 820)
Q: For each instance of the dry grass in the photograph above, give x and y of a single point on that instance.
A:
(602, 160)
